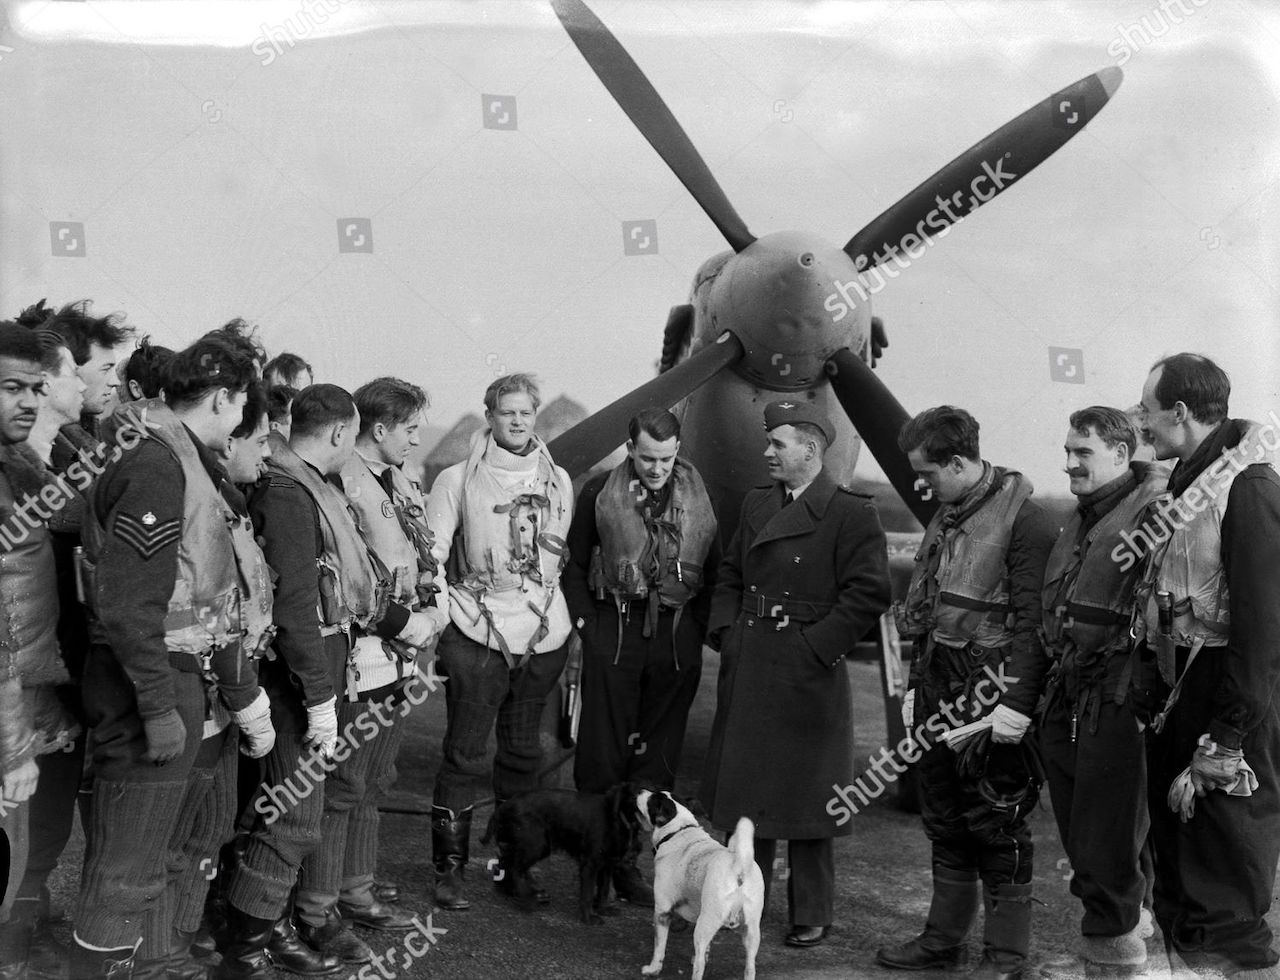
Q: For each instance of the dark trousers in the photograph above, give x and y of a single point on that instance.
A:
(481, 692)
(53, 809)
(967, 833)
(634, 711)
(1215, 873)
(206, 823)
(353, 785)
(124, 894)
(289, 807)
(810, 874)
(1098, 785)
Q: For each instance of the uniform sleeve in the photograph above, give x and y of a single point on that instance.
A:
(583, 537)
(237, 676)
(862, 571)
(1251, 561)
(1033, 537)
(726, 597)
(139, 503)
(287, 525)
(700, 605)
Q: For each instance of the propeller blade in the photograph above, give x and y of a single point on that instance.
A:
(984, 170)
(639, 100)
(594, 438)
(878, 416)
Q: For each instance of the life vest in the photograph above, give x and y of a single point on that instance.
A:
(222, 591)
(641, 552)
(28, 626)
(1088, 595)
(1186, 532)
(966, 599)
(512, 544)
(348, 585)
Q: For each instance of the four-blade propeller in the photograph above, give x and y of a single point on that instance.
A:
(963, 185)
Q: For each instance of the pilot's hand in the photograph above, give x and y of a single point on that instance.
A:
(879, 339)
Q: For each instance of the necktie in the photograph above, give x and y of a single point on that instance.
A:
(788, 499)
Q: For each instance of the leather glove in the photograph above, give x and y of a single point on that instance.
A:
(1008, 726)
(419, 630)
(909, 710)
(322, 727)
(166, 737)
(1182, 795)
(255, 723)
(1214, 767)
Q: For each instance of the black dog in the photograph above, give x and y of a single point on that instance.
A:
(600, 830)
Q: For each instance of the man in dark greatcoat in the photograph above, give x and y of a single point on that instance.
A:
(804, 578)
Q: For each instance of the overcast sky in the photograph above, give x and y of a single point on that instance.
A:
(209, 169)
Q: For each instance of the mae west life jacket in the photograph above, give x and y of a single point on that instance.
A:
(959, 591)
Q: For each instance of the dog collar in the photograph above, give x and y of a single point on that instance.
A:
(688, 826)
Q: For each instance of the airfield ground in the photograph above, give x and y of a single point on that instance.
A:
(882, 891)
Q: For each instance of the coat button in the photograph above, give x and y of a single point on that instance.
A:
(753, 588)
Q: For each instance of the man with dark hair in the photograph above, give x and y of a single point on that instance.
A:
(642, 556)
(337, 887)
(1093, 751)
(973, 610)
(288, 369)
(312, 545)
(33, 721)
(175, 588)
(509, 506)
(142, 372)
(279, 409)
(803, 580)
(1208, 621)
(94, 342)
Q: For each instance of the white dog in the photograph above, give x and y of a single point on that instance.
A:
(694, 877)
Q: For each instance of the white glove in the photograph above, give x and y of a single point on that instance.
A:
(909, 710)
(255, 722)
(419, 630)
(18, 784)
(322, 727)
(1008, 726)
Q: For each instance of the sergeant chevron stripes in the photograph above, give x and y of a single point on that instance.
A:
(147, 539)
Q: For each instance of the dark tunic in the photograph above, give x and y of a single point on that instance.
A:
(783, 731)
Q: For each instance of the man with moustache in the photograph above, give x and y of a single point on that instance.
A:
(33, 721)
(803, 580)
(973, 609)
(501, 515)
(337, 887)
(642, 556)
(1208, 619)
(164, 575)
(1093, 750)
